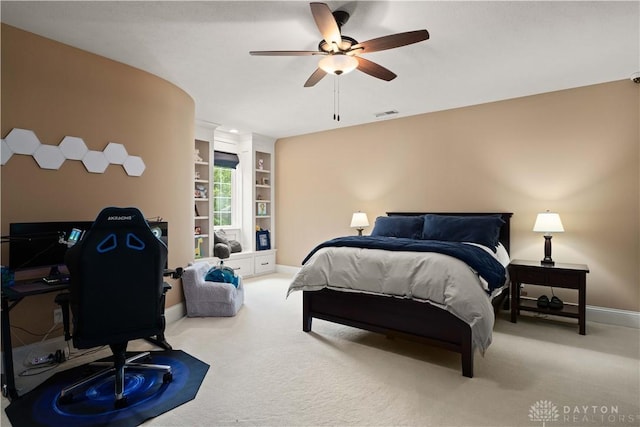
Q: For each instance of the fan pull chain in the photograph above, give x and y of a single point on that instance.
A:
(336, 98)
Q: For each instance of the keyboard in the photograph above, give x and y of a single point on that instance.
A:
(59, 279)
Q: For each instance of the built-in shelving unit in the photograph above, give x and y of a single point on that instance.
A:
(256, 191)
(201, 187)
(263, 202)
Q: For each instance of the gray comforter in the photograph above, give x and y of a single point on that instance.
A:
(433, 278)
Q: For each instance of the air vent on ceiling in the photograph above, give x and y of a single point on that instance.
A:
(386, 114)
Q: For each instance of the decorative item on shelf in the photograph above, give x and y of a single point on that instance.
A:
(265, 181)
(196, 156)
(196, 175)
(263, 240)
(197, 230)
(259, 197)
(359, 221)
(262, 209)
(260, 164)
(198, 248)
(548, 222)
(196, 210)
(200, 191)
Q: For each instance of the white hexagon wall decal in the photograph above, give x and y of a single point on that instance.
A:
(134, 166)
(49, 157)
(116, 153)
(95, 161)
(5, 151)
(73, 148)
(22, 141)
(25, 141)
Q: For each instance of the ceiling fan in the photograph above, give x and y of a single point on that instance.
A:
(342, 53)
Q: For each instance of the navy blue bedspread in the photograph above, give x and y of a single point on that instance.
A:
(477, 258)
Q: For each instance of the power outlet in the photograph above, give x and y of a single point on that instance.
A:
(57, 316)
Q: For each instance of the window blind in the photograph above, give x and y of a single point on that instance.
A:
(225, 160)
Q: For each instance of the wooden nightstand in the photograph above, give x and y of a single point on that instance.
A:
(569, 276)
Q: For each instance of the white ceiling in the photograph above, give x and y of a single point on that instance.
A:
(478, 52)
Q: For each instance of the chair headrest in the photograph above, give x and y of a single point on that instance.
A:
(115, 217)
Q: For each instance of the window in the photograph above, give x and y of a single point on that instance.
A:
(223, 191)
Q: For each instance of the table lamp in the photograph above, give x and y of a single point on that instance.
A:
(359, 221)
(547, 223)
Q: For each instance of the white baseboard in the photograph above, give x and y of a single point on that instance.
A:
(612, 316)
(287, 269)
(609, 316)
(20, 354)
(175, 312)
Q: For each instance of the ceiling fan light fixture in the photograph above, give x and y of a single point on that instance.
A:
(338, 64)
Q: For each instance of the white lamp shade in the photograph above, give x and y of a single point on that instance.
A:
(548, 222)
(359, 220)
(338, 64)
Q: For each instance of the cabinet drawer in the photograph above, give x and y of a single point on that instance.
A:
(242, 266)
(265, 263)
(531, 276)
(564, 278)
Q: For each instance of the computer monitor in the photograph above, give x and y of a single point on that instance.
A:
(44, 244)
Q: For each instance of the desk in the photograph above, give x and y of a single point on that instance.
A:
(11, 296)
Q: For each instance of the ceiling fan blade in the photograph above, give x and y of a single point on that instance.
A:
(317, 75)
(326, 23)
(286, 52)
(374, 69)
(391, 41)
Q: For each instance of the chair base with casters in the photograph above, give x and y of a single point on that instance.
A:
(120, 364)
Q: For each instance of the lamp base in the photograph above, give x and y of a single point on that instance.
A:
(359, 231)
(547, 251)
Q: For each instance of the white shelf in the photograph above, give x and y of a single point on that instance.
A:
(202, 184)
(263, 171)
(263, 201)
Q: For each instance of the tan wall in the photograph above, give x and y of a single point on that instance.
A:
(575, 152)
(56, 90)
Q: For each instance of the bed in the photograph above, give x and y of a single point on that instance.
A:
(406, 315)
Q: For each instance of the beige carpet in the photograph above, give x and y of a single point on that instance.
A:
(266, 372)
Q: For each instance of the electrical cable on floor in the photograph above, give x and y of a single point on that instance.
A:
(38, 370)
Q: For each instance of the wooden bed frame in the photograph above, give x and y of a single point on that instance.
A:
(401, 317)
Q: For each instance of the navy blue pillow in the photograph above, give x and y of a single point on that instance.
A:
(409, 227)
(484, 230)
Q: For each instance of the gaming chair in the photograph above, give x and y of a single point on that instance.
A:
(116, 292)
